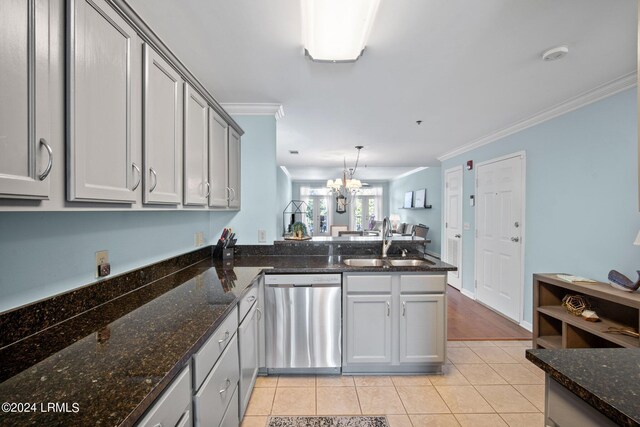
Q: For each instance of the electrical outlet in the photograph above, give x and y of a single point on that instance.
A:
(199, 238)
(103, 268)
(262, 236)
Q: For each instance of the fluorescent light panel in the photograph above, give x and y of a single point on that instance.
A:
(337, 30)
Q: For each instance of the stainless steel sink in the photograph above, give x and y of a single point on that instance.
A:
(364, 262)
(409, 262)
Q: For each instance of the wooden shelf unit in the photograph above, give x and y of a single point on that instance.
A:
(554, 327)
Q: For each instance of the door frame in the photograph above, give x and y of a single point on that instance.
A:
(330, 202)
(523, 181)
(444, 219)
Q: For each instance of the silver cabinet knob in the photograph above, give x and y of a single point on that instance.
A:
(515, 239)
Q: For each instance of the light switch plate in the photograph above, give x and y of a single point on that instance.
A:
(199, 239)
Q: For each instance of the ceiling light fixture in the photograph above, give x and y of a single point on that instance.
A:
(337, 30)
(346, 187)
(555, 53)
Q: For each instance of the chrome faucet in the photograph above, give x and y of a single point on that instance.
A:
(387, 236)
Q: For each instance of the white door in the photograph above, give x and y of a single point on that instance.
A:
(319, 215)
(499, 235)
(196, 141)
(162, 130)
(25, 161)
(453, 224)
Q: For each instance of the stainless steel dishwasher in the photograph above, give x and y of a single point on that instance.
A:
(303, 315)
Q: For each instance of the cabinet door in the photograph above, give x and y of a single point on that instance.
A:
(218, 161)
(248, 335)
(162, 130)
(196, 117)
(234, 169)
(422, 334)
(104, 73)
(368, 332)
(24, 99)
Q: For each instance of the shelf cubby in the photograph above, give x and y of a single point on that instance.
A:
(554, 327)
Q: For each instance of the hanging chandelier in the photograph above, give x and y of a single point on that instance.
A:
(345, 188)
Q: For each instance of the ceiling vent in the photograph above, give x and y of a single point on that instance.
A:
(294, 152)
(555, 53)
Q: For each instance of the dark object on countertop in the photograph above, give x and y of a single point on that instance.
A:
(622, 282)
(225, 245)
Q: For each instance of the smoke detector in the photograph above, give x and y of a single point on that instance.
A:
(555, 53)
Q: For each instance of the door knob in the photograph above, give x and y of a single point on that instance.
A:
(515, 239)
(457, 236)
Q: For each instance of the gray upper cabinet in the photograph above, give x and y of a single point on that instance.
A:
(234, 169)
(422, 328)
(368, 329)
(196, 169)
(218, 161)
(26, 157)
(104, 75)
(162, 137)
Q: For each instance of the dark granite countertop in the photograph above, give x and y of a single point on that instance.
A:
(351, 239)
(281, 264)
(606, 378)
(115, 359)
(117, 370)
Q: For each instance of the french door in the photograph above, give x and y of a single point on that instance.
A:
(499, 228)
(318, 215)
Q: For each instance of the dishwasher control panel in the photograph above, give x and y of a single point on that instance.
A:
(302, 279)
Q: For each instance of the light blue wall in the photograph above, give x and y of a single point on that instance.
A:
(284, 195)
(46, 253)
(430, 179)
(581, 193)
(259, 182)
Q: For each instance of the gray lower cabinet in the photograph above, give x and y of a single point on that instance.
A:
(368, 329)
(27, 157)
(248, 341)
(162, 137)
(173, 407)
(104, 77)
(219, 388)
(394, 322)
(565, 409)
(422, 330)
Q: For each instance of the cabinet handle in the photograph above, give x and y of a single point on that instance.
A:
(47, 170)
(227, 385)
(228, 194)
(226, 337)
(155, 180)
(404, 308)
(208, 189)
(259, 312)
(139, 176)
(388, 309)
(233, 190)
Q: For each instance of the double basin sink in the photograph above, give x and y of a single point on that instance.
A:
(386, 262)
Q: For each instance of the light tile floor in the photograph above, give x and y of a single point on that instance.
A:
(486, 383)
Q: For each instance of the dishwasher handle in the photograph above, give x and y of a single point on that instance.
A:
(305, 285)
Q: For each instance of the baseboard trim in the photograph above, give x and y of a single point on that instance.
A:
(526, 325)
(468, 294)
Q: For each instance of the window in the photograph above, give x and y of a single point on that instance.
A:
(366, 209)
(318, 215)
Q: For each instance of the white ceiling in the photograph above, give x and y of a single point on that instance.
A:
(313, 173)
(467, 68)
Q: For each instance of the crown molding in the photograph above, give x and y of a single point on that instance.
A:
(286, 171)
(248, 109)
(608, 89)
(411, 172)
